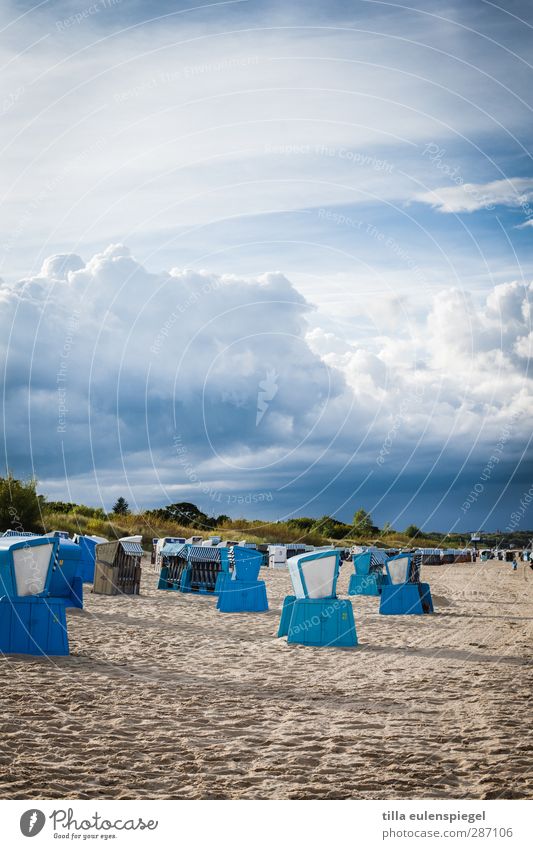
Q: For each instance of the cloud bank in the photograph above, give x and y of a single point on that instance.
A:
(187, 384)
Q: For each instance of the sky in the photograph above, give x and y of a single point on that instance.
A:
(271, 258)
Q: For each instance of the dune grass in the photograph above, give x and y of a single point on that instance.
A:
(115, 526)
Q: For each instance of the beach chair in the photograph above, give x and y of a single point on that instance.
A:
(314, 616)
(32, 621)
(193, 568)
(239, 589)
(118, 567)
(173, 560)
(277, 556)
(369, 576)
(88, 545)
(10, 533)
(66, 581)
(206, 571)
(405, 594)
(159, 546)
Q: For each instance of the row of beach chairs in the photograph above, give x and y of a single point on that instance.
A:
(40, 576)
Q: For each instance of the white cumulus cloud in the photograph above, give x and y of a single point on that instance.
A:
(469, 197)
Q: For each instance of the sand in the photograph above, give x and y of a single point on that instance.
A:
(165, 697)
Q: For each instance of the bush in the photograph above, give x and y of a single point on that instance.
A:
(303, 524)
(332, 528)
(60, 506)
(20, 506)
(69, 508)
(89, 512)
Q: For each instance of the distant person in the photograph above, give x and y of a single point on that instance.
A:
(515, 564)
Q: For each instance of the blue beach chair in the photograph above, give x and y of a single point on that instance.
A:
(369, 576)
(173, 559)
(191, 568)
(314, 616)
(32, 621)
(207, 569)
(66, 581)
(88, 545)
(405, 594)
(241, 590)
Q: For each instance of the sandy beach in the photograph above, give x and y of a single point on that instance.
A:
(165, 697)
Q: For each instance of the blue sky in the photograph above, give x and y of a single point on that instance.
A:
(321, 211)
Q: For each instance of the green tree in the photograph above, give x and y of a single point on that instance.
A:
(185, 513)
(362, 522)
(20, 506)
(331, 527)
(121, 507)
(412, 531)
